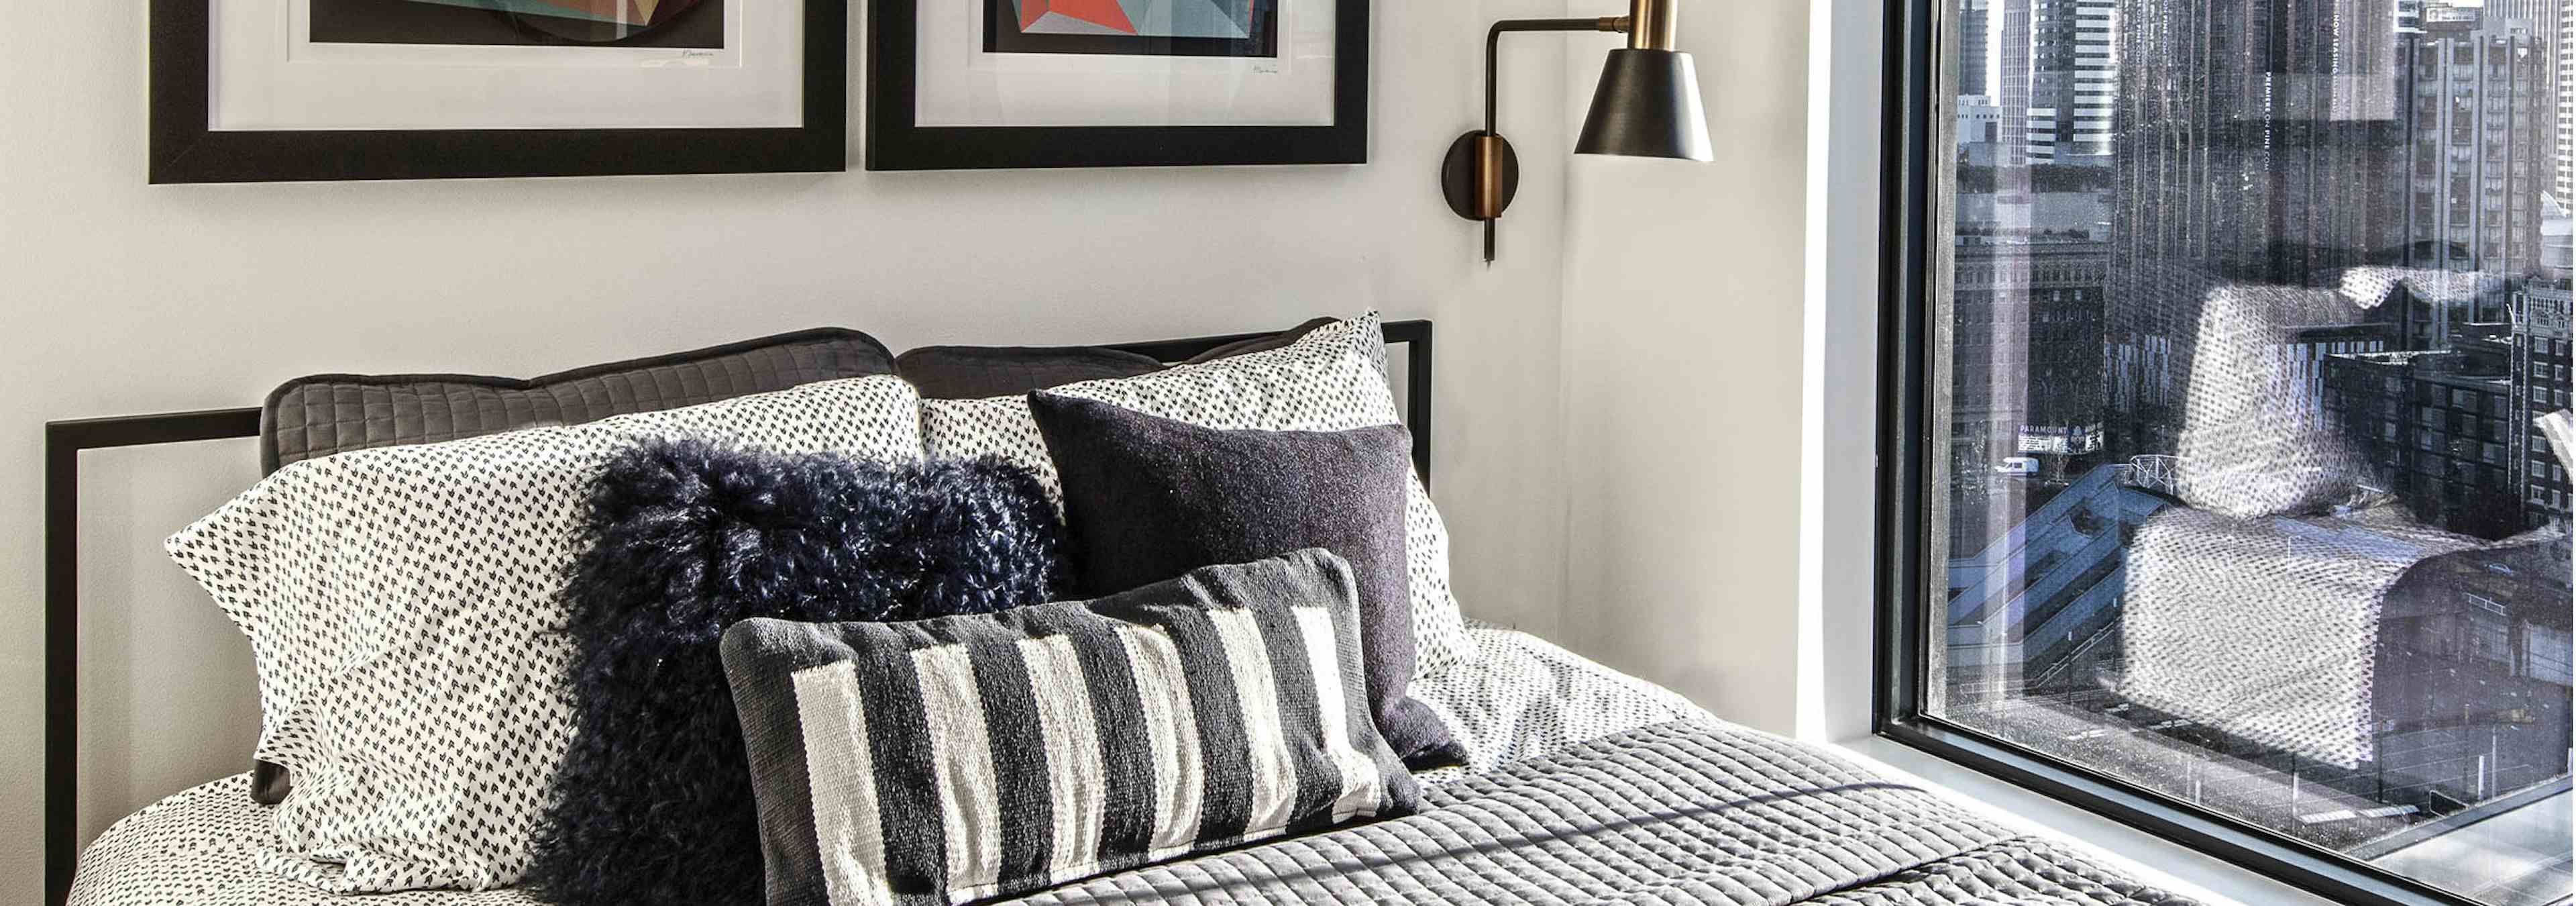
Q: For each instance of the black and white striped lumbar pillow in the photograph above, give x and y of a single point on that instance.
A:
(962, 758)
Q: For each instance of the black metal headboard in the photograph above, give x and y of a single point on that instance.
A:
(64, 441)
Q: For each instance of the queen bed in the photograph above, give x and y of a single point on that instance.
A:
(1570, 782)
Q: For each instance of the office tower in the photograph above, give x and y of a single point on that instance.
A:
(2074, 74)
(2012, 79)
(2563, 56)
(1976, 48)
(2479, 149)
(2057, 73)
(2540, 386)
(2026, 371)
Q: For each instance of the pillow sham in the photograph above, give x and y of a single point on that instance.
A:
(404, 615)
(2251, 443)
(963, 758)
(653, 803)
(319, 415)
(1147, 499)
(1333, 378)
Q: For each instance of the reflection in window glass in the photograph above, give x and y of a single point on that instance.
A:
(2252, 318)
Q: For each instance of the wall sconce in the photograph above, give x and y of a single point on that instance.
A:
(1646, 106)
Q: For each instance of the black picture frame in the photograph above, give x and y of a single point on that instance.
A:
(185, 150)
(895, 141)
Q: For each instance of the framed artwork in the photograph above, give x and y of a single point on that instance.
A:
(281, 90)
(979, 84)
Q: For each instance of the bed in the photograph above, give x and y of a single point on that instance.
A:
(1579, 784)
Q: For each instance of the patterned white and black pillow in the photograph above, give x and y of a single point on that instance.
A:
(403, 611)
(992, 755)
(1331, 379)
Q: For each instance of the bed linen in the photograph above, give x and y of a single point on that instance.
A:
(1556, 743)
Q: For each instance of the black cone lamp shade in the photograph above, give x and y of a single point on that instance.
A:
(1647, 106)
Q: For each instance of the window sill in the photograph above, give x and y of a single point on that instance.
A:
(2147, 857)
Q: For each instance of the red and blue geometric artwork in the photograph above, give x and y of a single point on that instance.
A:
(1226, 28)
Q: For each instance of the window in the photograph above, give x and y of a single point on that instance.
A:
(2136, 580)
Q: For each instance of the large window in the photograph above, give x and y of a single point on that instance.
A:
(2228, 345)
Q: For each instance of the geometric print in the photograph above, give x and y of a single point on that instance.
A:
(966, 758)
(403, 610)
(1332, 379)
(1523, 697)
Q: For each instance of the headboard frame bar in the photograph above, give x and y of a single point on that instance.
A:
(64, 441)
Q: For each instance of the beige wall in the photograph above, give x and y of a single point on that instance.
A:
(119, 298)
(1682, 325)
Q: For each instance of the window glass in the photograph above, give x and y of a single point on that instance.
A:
(2244, 318)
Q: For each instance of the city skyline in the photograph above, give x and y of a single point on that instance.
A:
(2252, 308)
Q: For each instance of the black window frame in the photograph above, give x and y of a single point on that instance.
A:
(1911, 108)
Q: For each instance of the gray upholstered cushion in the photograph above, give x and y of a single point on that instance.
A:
(317, 416)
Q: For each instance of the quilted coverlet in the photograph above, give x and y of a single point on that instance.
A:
(1586, 787)
(1679, 812)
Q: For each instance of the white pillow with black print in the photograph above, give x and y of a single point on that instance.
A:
(1332, 379)
(2253, 443)
(404, 614)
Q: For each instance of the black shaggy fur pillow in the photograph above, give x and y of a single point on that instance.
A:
(653, 804)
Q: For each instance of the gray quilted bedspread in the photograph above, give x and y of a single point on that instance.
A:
(1587, 787)
(1678, 812)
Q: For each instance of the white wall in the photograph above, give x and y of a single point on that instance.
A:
(1682, 322)
(118, 298)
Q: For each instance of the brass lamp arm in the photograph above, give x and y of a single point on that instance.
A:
(1494, 48)
(1639, 111)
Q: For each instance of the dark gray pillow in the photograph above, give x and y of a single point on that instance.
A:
(977, 372)
(1280, 340)
(981, 372)
(1207, 712)
(1147, 499)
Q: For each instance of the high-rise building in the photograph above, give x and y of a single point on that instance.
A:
(1976, 47)
(2539, 368)
(2074, 74)
(2478, 151)
(2563, 57)
(2056, 76)
(2256, 141)
(2551, 26)
(2433, 425)
(2026, 366)
(2452, 430)
(2012, 31)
